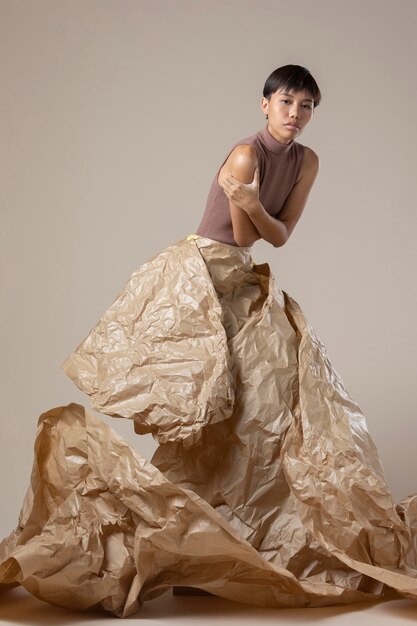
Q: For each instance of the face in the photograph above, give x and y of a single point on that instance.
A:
(285, 107)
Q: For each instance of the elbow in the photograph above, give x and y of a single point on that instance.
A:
(239, 241)
(283, 237)
(243, 243)
(281, 242)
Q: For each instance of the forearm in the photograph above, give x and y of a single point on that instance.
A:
(245, 232)
(270, 228)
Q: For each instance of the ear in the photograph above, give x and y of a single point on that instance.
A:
(264, 105)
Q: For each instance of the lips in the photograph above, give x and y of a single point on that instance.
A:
(293, 126)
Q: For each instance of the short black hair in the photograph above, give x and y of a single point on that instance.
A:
(292, 78)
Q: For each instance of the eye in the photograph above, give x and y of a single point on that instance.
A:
(307, 106)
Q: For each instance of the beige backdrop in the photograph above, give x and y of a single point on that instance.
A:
(115, 115)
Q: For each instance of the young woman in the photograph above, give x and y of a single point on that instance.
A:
(266, 486)
(286, 169)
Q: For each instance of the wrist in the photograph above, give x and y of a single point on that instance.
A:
(255, 208)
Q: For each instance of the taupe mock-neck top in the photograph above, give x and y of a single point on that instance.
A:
(279, 167)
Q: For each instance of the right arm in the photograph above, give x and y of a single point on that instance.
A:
(241, 163)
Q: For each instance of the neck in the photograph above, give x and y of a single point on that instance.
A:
(273, 144)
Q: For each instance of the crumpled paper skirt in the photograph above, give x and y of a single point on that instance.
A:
(266, 487)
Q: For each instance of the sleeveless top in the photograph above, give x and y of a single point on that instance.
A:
(279, 167)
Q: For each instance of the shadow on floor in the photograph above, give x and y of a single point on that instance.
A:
(17, 606)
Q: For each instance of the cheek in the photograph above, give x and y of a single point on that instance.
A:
(281, 108)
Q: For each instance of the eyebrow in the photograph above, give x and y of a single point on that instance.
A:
(291, 96)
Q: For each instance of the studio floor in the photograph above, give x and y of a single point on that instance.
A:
(17, 606)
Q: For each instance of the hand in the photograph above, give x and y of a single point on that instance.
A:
(243, 195)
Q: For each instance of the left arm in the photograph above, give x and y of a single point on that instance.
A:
(276, 231)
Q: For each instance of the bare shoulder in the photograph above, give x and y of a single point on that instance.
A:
(310, 164)
(241, 162)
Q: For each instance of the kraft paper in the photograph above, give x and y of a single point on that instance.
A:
(266, 487)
